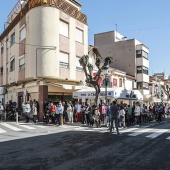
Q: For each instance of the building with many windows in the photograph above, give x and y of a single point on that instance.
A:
(130, 56)
(39, 46)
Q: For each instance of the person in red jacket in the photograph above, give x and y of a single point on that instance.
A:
(53, 107)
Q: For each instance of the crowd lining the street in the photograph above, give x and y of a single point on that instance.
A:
(113, 115)
(101, 115)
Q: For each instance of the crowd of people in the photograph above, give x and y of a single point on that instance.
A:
(90, 114)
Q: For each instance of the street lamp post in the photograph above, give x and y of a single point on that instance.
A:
(106, 81)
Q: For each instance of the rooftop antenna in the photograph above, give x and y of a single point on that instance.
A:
(116, 30)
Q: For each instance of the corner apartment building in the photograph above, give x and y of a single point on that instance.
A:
(130, 56)
(40, 45)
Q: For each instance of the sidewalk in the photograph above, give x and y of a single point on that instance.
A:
(143, 125)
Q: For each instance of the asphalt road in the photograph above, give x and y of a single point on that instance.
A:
(79, 150)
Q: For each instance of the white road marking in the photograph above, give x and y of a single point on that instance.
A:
(139, 132)
(26, 126)
(2, 131)
(168, 138)
(128, 130)
(157, 133)
(40, 126)
(11, 127)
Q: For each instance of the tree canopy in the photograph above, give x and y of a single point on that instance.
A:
(88, 70)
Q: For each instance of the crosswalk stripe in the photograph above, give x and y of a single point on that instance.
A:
(168, 138)
(11, 127)
(40, 126)
(139, 132)
(26, 126)
(2, 131)
(157, 133)
(128, 130)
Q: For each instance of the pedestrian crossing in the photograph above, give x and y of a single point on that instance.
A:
(150, 133)
(6, 127)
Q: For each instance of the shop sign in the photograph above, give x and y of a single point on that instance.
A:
(94, 94)
(114, 82)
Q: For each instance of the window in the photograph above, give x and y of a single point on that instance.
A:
(7, 43)
(120, 82)
(139, 69)
(2, 49)
(64, 28)
(22, 63)
(145, 70)
(12, 38)
(12, 65)
(78, 66)
(141, 53)
(139, 85)
(79, 35)
(63, 59)
(142, 85)
(1, 73)
(138, 53)
(22, 33)
(144, 54)
(145, 85)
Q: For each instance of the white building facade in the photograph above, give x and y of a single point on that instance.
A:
(39, 48)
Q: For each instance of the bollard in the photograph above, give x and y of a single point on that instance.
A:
(5, 116)
(61, 119)
(16, 117)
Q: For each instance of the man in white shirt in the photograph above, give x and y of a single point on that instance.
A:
(137, 113)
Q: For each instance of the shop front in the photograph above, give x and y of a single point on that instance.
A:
(88, 94)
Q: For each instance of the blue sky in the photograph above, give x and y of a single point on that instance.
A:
(148, 21)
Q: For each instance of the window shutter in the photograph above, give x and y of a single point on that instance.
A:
(79, 35)
(63, 28)
(22, 34)
(63, 57)
(22, 61)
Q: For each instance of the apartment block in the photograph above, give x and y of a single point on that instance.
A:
(129, 55)
(39, 46)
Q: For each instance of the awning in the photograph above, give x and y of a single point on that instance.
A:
(66, 86)
(90, 93)
(130, 95)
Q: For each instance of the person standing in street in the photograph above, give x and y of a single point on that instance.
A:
(58, 112)
(137, 114)
(1, 111)
(70, 113)
(108, 116)
(129, 116)
(160, 112)
(27, 111)
(114, 117)
(122, 117)
(34, 109)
